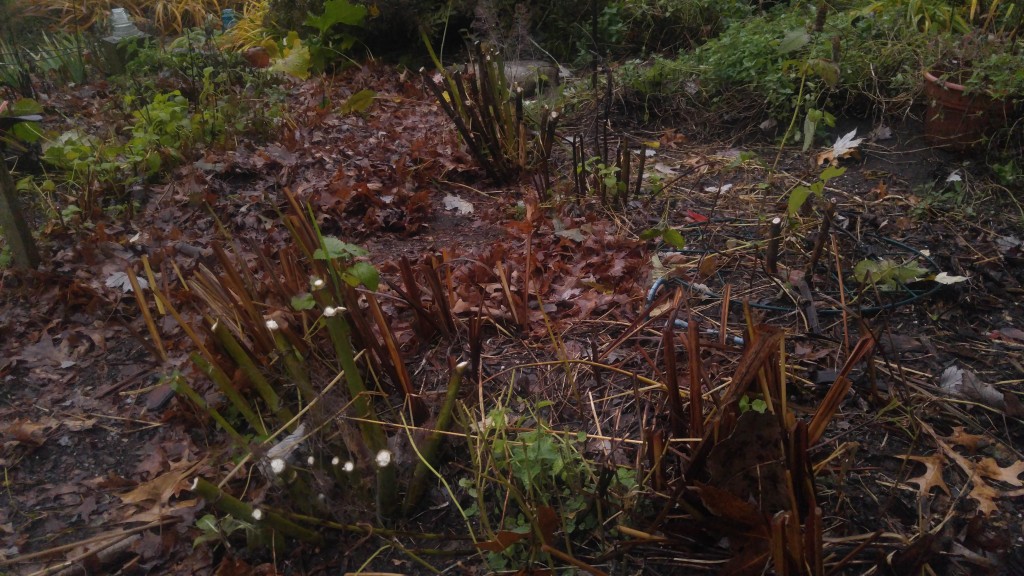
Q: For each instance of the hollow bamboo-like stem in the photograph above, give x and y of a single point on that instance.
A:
(428, 452)
(180, 387)
(369, 422)
(240, 510)
(294, 365)
(251, 371)
(771, 257)
(223, 383)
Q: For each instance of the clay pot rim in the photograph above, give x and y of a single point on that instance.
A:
(944, 83)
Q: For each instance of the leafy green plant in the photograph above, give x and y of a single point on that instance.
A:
(335, 28)
(789, 60)
(530, 482)
(63, 55)
(219, 530)
(799, 195)
(747, 403)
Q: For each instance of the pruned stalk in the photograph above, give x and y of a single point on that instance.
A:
(180, 387)
(241, 511)
(771, 257)
(223, 383)
(251, 371)
(428, 453)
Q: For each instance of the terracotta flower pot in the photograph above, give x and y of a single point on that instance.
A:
(959, 121)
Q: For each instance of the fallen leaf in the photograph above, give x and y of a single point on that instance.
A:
(943, 278)
(932, 476)
(881, 132)
(961, 383)
(991, 469)
(29, 432)
(969, 441)
(1010, 334)
(458, 204)
(119, 281)
(161, 488)
(502, 540)
(844, 147)
(985, 496)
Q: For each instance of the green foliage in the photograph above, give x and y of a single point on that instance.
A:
(57, 56)
(608, 175)
(669, 235)
(756, 404)
(179, 98)
(295, 59)
(336, 28)
(886, 274)
(358, 103)
(218, 530)
(799, 195)
(777, 62)
(22, 132)
(337, 12)
(527, 471)
(334, 249)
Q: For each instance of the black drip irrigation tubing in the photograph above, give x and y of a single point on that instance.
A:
(868, 310)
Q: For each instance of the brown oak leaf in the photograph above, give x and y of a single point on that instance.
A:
(932, 476)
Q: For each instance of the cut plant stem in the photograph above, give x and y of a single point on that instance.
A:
(819, 242)
(180, 387)
(428, 453)
(244, 512)
(771, 257)
(248, 367)
(223, 383)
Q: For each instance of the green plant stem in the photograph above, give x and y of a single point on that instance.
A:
(369, 422)
(428, 453)
(295, 366)
(180, 387)
(240, 510)
(792, 120)
(223, 383)
(259, 382)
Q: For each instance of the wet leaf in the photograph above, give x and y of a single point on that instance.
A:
(794, 40)
(304, 301)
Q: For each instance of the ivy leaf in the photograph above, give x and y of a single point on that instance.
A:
(828, 71)
(650, 234)
(362, 273)
(831, 172)
(25, 107)
(886, 274)
(670, 236)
